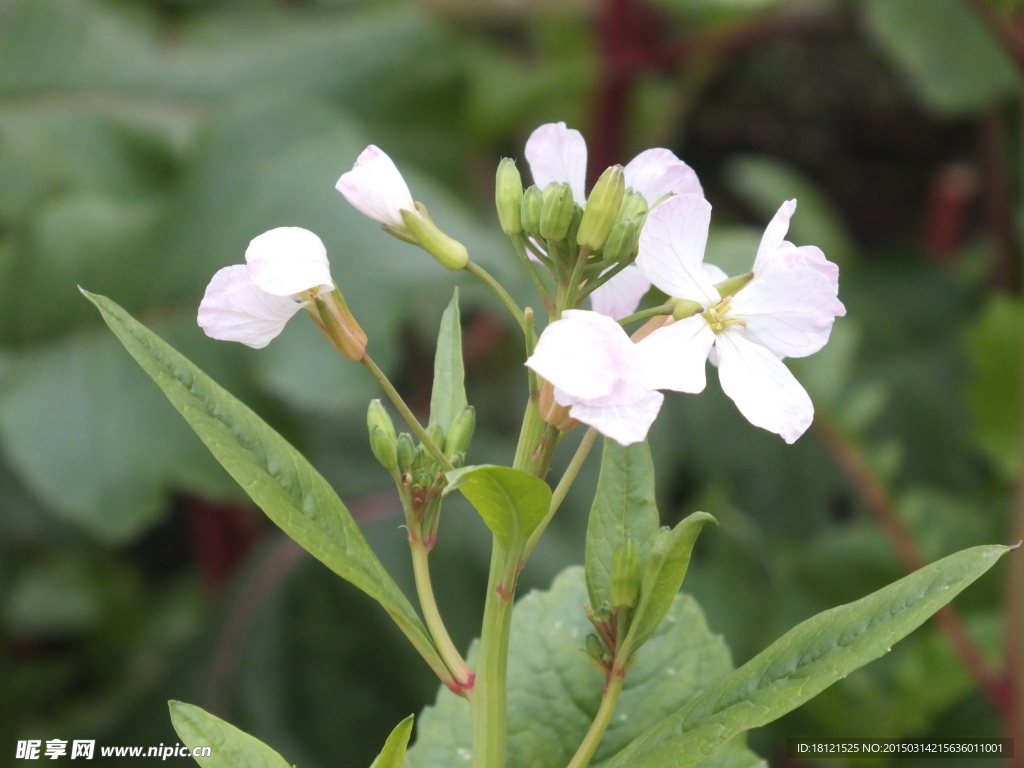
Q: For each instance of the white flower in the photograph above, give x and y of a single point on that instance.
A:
(559, 154)
(375, 188)
(786, 310)
(251, 302)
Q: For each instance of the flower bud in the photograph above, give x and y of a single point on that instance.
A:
(556, 214)
(732, 285)
(384, 448)
(406, 452)
(338, 324)
(460, 432)
(574, 225)
(633, 204)
(458, 460)
(436, 433)
(423, 478)
(684, 308)
(451, 253)
(626, 574)
(602, 209)
(508, 197)
(533, 203)
(621, 242)
(377, 416)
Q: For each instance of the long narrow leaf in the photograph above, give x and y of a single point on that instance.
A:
(804, 662)
(275, 475)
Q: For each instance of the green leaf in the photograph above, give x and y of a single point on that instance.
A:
(275, 475)
(393, 754)
(623, 503)
(554, 690)
(229, 747)
(955, 61)
(804, 662)
(663, 575)
(512, 503)
(448, 396)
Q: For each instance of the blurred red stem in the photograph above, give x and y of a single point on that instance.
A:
(851, 462)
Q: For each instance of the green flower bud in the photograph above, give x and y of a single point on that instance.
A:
(620, 243)
(377, 416)
(602, 209)
(533, 204)
(626, 574)
(384, 448)
(633, 204)
(460, 432)
(556, 214)
(508, 196)
(458, 460)
(595, 648)
(684, 308)
(406, 451)
(436, 433)
(423, 478)
(574, 225)
(451, 253)
(732, 285)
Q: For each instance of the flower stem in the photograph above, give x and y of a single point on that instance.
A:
(604, 716)
(432, 616)
(475, 269)
(644, 314)
(407, 414)
(563, 488)
(520, 243)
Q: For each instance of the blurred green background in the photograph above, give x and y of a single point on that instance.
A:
(143, 143)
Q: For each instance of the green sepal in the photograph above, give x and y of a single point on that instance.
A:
(508, 196)
(533, 204)
(230, 747)
(557, 211)
(602, 209)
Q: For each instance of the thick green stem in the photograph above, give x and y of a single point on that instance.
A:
(489, 691)
(407, 414)
(432, 616)
(593, 738)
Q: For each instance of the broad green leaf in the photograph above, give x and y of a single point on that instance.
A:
(393, 754)
(554, 690)
(229, 747)
(804, 662)
(663, 575)
(448, 396)
(994, 391)
(275, 475)
(955, 61)
(623, 503)
(512, 503)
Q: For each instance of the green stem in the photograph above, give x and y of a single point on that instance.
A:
(644, 314)
(602, 279)
(531, 268)
(574, 280)
(487, 699)
(597, 728)
(475, 269)
(564, 484)
(407, 414)
(432, 616)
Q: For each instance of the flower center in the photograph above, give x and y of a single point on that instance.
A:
(718, 316)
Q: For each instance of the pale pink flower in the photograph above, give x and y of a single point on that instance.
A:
(250, 303)
(375, 188)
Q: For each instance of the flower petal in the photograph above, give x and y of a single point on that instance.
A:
(620, 296)
(625, 424)
(675, 356)
(288, 260)
(672, 248)
(235, 309)
(761, 385)
(375, 188)
(775, 232)
(790, 311)
(714, 274)
(657, 172)
(586, 356)
(557, 153)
